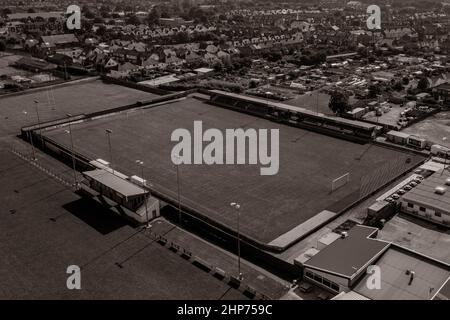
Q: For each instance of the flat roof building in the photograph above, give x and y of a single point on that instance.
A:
(343, 266)
(405, 276)
(115, 189)
(340, 264)
(430, 200)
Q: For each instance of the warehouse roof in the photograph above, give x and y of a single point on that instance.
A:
(424, 194)
(348, 256)
(59, 39)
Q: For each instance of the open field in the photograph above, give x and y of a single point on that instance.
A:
(6, 69)
(78, 98)
(45, 227)
(435, 128)
(313, 101)
(271, 205)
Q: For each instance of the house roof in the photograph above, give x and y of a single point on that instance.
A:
(348, 256)
(45, 15)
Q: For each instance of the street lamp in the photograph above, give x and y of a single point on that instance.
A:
(141, 164)
(30, 136)
(108, 134)
(237, 207)
(72, 152)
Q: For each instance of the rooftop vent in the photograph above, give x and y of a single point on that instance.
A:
(440, 190)
(344, 234)
(447, 182)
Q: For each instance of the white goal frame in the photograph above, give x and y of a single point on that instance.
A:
(340, 182)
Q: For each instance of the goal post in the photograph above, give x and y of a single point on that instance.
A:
(340, 182)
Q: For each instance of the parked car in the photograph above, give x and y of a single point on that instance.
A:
(407, 188)
(401, 192)
(389, 199)
(413, 184)
(395, 196)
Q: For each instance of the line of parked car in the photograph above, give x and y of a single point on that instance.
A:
(408, 187)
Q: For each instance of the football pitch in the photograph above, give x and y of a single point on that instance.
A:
(270, 205)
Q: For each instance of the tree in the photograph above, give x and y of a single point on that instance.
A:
(181, 37)
(99, 20)
(87, 12)
(339, 102)
(153, 16)
(105, 11)
(101, 30)
(134, 20)
(398, 86)
(218, 66)
(312, 58)
(423, 84)
(374, 90)
(6, 11)
(2, 46)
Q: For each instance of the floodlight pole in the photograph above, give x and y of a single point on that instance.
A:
(178, 189)
(317, 101)
(73, 154)
(108, 134)
(141, 164)
(30, 136)
(237, 207)
(36, 104)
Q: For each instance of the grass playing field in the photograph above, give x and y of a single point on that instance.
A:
(56, 103)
